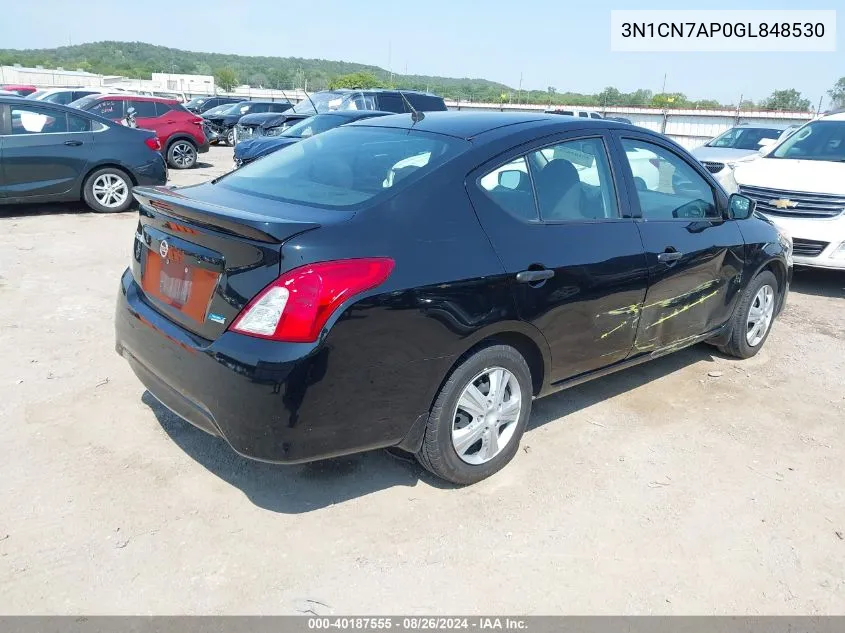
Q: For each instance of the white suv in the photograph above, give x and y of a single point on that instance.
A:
(800, 185)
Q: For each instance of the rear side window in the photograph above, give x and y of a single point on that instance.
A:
(595, 115)
(109, 108)
(78, 124)
(345, 167)
(144, 109)
(162, 108)
(583, 114)
(509, 186)
(62, 98)
(425, 103)
(391, 103)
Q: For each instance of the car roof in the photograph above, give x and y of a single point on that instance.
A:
(354, 115)
(127, 96)
(378, 90)
(765, 126)
(468, 125)
(836, 116)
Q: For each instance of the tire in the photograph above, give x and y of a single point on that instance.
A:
(477, 461)
(741, 343)
(230, 138)
(182, 154)
(108, 190)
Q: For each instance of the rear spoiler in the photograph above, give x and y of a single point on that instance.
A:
(253, 226)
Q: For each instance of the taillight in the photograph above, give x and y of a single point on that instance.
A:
(197, 120)
(153, 143)
(296, 306)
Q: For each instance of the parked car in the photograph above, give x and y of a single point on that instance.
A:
(53, 153)
(8, 93)
(181, 133)
(737, 143)
(400, 282)
(265, 124)
(198, 105)
(619, 119)
(21, 90)
(800, 185)
(371, 99)
(222, 124)
(65, 96)
(253, 149)
(584, 114)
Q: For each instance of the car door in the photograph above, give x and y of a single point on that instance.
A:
(45, 152)
(557, 217)
(695, 256)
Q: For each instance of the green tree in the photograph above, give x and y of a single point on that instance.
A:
(226, 79)
(670, 100)
(708, 104)
(747, 104)
(786, 100)
(610, 96)
(837, 93)
(355, 80)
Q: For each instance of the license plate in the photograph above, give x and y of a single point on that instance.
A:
(175, 282)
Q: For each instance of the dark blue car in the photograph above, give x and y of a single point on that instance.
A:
(54, 153)
(249, 150)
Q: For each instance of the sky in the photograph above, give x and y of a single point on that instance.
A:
(565, 44)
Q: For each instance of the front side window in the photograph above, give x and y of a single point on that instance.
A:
(28, 120)
(345, 167)
(509, 187)
(819, 140)
(62, 98)
(573, 181)
(667, 186)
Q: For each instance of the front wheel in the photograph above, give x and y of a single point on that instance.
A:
(182, 155)
(108, 190)
(753, 317)
(479, 416)
(230, 137)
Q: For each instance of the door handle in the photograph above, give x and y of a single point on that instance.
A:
(533, 276)
(669, 256)
(73, 143)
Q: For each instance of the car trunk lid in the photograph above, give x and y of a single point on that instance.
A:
(200, 259)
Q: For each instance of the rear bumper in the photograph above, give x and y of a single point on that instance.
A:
(202, 148)
(152, 173)
(276, 402)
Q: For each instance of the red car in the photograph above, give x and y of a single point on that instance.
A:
(19, 89)
(181, 133)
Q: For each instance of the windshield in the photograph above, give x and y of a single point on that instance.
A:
(195, 102)
(324, 102)
(819, 140)
(314, 125)
(345, 166)
(745, 137)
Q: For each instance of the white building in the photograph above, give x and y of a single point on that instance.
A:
(48, 77)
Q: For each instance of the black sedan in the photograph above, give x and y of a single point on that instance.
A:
(415, 282)
(222, 124)
(53, 153)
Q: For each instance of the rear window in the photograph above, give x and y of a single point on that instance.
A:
(346, 166)
(426, 103)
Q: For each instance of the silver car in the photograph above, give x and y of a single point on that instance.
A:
(739, 142)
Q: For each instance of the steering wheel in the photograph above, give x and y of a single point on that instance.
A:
(693, 210)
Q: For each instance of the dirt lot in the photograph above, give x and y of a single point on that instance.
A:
(693, 484)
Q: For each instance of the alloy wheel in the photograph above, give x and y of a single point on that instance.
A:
(760, 315)
(110, 190)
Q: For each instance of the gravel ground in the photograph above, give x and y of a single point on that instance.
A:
(692, 484)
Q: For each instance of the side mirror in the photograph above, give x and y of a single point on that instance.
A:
(741, 207)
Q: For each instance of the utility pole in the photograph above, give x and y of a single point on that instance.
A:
(389, 55)
(820, 105)
(663, 90)
(519, 98)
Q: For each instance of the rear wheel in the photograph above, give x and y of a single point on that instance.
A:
(479, 416)
(108, 190)
(182, 154)
(752, 319)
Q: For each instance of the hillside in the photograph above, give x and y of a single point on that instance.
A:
(139, 60)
